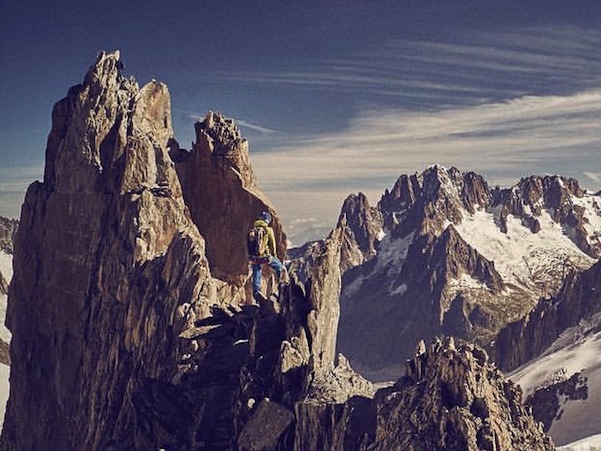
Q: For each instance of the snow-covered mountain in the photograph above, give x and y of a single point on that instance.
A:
(442, 253)
(564, 383)
(558, 345)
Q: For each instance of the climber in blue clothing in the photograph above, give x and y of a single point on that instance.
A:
(262, 250)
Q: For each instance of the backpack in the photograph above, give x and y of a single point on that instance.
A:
(256, 241)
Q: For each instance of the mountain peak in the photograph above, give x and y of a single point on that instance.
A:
(453, 398)
(224, 132)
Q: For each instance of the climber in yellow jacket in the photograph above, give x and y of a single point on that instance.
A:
(262, 250)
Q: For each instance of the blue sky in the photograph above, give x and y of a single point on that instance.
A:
(334, 96)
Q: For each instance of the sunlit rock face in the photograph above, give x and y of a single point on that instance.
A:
(105, 256)
(220, 190)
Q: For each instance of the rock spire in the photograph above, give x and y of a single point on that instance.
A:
(106, 259)
(220, 190)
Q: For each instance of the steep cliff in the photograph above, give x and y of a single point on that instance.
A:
(292, 371)
(106, 260)
(578, 300)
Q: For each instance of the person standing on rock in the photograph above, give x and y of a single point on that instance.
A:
(262, 250)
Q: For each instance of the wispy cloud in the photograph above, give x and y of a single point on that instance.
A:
(594, 176)
(474, 67)
(240, 122)
(257, 128)
(518, 137)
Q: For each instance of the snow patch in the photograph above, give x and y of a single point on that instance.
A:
(399, 291)
(392, 254)
(465, 283)
(592, 443)
(6, 265)
(521, 257)
(6, 268)
(592, 216)
(575, 351)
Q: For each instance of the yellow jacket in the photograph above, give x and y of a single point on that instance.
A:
(269, 236)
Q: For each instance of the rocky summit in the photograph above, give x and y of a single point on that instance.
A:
(454, 399)
(220, 189)
(132, 331)
(443, 253)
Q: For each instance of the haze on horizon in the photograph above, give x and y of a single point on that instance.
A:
(335, 97)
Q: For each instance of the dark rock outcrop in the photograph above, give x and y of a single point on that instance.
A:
(4, 352)
(523, 340)
(453, 398)
(545, 402)
(3, 285)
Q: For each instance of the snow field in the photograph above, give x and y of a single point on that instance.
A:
(520, 254)
(573, 353)
(6, 268)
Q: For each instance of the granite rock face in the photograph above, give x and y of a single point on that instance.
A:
(453, 398)
(362, 226)
(106, 258)
(579, 299)
(220, 190)
(292, 363)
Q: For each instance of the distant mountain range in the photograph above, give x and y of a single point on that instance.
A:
(511, 269)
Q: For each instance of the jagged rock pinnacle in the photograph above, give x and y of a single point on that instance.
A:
(452, 398)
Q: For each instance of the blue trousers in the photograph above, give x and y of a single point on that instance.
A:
(274, 263)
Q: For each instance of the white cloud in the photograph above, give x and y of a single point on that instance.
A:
(594, 176)
(482, 137)
(254, 127)
(514, 137)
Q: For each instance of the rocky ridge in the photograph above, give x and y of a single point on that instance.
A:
(578, 300)
(453, 256)
(109, 269)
